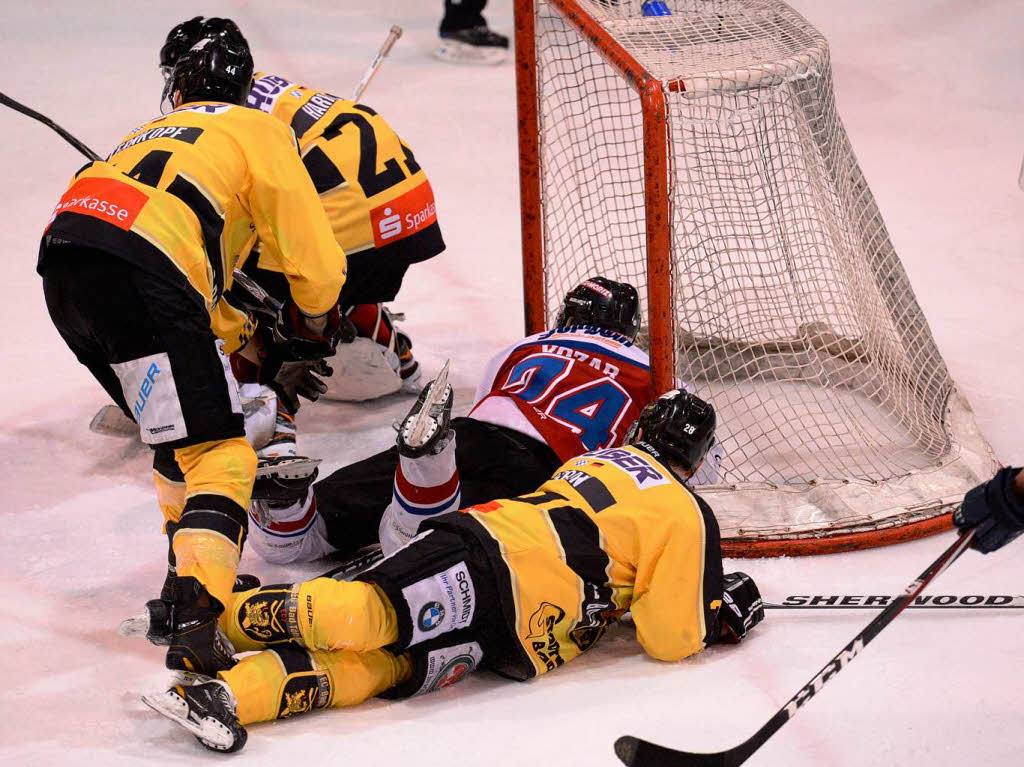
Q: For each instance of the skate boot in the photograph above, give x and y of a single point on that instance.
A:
(207, 710)
(284, 480)
(187, 626)
(282, 485)
(426, 429)
(475, 45)
(154, 622)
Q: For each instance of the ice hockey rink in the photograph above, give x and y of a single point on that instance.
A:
(931, 96)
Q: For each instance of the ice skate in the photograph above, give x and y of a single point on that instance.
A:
(476, 45)
(207, 710)
(427, 424)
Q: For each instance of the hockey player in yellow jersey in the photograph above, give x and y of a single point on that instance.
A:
(136, 260)
(377, 198)
(518, 586)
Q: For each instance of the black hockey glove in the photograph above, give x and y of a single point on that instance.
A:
(742, 608)
(197, 643)
(995, 509)
(291, 380)
(299, 337)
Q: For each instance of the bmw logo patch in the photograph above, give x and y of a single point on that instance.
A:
(430, 617)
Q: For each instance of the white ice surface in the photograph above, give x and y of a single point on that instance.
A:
(931, 95)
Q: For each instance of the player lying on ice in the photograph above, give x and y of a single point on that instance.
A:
(542, 401)
(518, 586)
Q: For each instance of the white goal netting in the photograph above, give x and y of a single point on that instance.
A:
(792, 312)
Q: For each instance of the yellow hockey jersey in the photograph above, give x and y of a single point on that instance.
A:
(185, 196)
(613, 530)
(371, 186)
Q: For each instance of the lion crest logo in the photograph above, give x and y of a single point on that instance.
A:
(296, 703)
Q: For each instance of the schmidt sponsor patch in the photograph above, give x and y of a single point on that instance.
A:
(441, 603)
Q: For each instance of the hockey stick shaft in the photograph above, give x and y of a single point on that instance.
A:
(636, 752)
(17, 106)
(856, 602)
(250, 286)
(393, 34)
(354, 565)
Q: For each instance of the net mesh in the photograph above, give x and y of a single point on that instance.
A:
(792, 312)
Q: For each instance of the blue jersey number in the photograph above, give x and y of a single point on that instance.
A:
(593, 411)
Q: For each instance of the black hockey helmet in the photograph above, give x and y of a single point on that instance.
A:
(604, 303)
(214, 69)
(188, 33)
(678, 426)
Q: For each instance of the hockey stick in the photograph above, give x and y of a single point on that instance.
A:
(860, 602)
(393, 34)
(355, 564)
(636, 752)
(17, 106)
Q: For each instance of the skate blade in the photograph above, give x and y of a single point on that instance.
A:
(111, 422)
(212, 733)
(457, 52)
(294, 468)
(423, 424)
(136, 626)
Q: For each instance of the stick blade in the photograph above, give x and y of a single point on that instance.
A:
(110, 421)
(636, 752)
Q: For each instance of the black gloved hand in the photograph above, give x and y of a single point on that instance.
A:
(302, 378)
(299, 337)
(995, 509)
(742, 608)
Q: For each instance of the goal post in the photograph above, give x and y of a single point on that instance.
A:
(700, 157)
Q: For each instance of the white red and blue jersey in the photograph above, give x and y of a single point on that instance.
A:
(576, 389)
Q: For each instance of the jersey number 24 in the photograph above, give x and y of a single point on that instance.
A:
(593, 410)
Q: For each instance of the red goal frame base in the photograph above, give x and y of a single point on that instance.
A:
(835, 544)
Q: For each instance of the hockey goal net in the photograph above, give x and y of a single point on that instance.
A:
(699, 156)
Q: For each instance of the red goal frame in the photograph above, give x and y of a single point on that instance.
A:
(657, 168)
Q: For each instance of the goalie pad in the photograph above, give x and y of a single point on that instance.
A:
(363, 370)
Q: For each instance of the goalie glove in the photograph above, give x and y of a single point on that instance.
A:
(742, 608)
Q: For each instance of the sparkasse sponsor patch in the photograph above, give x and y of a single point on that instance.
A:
(107, 199)
(404, 216)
